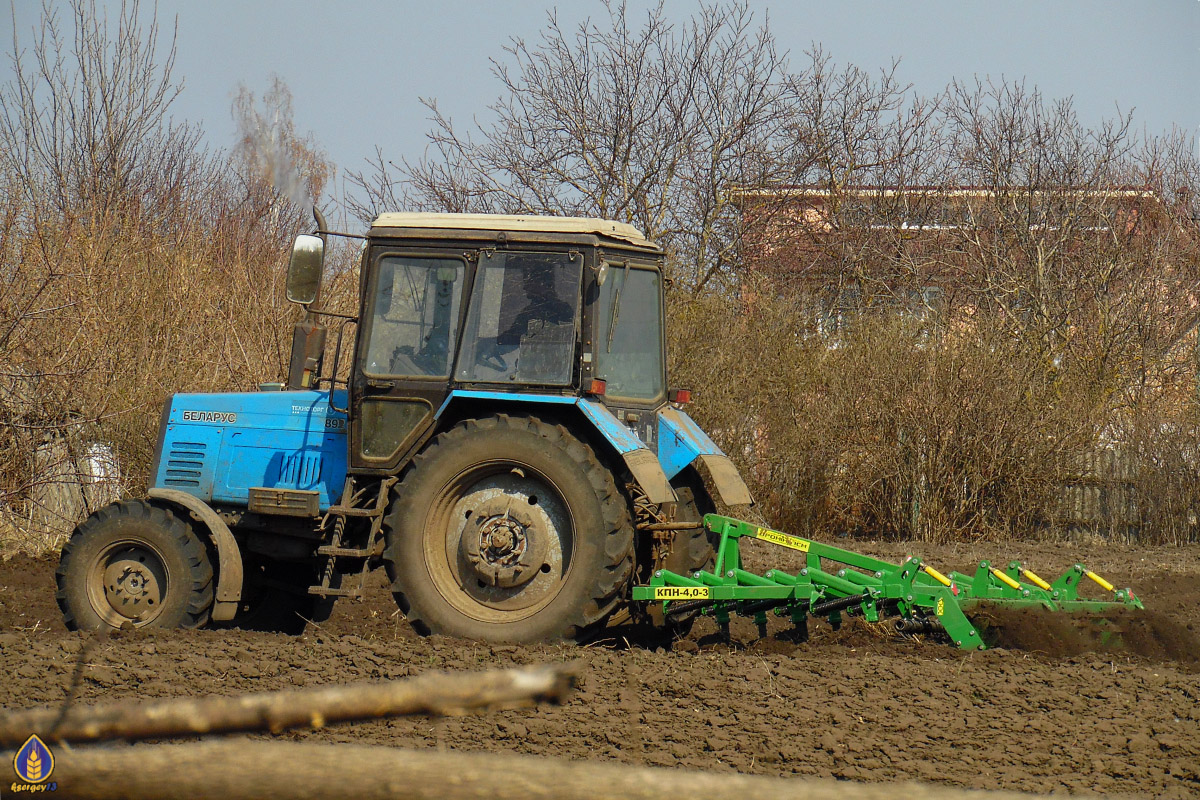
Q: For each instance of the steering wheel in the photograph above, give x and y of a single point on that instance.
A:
(487, 355)
(404, 362)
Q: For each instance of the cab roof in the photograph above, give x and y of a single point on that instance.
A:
(530, 223)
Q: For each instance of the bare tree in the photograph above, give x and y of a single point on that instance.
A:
(1008, 297)
(649, 125)
(83, 120)
(133, 264)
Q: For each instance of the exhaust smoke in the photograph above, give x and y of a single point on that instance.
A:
(268, 143)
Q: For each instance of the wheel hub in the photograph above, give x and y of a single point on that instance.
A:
(504, 546)
(503, 540)
(131, 586)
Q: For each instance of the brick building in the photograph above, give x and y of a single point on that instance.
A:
(1060, 265)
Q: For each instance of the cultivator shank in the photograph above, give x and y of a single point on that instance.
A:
(836, 583)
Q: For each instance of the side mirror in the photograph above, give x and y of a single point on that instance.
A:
(304, 271)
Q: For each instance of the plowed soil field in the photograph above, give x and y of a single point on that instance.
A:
(856, 704)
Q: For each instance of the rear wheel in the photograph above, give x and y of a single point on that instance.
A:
(132, 563)
(508, 529)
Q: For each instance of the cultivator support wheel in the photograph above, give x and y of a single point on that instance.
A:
(836, 582)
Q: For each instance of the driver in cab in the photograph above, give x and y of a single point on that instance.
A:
(542, 306)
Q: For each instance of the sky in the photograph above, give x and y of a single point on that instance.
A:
(357, 69)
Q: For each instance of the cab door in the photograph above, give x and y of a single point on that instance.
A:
(410, 332)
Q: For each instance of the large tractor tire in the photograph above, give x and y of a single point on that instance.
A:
(132, 563)
(508, 529)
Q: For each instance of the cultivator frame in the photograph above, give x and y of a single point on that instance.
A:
(921, 599)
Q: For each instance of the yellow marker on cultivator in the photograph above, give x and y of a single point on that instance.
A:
(920, 598)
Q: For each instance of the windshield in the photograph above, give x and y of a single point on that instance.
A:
(522, 321)
(629, 347)
(414, 317)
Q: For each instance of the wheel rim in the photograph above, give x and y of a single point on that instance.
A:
(499, 541)
(128, 582)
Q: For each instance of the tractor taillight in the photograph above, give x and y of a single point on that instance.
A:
(597, 386)
(681, 396)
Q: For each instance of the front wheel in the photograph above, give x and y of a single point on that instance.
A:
(134, 564)
(508, 529)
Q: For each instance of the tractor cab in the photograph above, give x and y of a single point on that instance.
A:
(506, 306)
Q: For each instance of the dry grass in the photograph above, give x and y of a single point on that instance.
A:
(134, 264)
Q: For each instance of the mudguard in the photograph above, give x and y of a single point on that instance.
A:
(640, 460)
(229, 555)
(682, 443)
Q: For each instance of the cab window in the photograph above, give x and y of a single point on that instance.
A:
(629, 345)
(521, 327)
(414, 317)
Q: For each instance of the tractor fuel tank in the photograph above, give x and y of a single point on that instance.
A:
(218, 447)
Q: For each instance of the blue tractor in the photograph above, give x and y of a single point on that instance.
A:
(504, 445)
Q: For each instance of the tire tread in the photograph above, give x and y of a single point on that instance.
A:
(607, 587)
(200, 592)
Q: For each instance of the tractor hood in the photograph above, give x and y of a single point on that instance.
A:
(219, 446)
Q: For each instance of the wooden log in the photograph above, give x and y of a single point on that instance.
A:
(435, 693)
(232, 770)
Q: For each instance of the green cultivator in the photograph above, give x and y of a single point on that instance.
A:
(836, 582)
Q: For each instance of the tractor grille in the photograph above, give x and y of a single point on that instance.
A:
(300, 470)
(185, 464)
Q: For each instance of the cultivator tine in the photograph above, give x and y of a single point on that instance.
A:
(922, 599)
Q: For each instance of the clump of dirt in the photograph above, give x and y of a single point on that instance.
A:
(1149, 634)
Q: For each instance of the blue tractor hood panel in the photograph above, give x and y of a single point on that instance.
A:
(218, 446)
